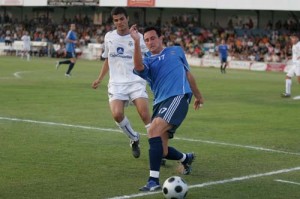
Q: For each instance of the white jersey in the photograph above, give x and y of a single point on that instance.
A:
(296, 54)
(119, 51)
(26, 42)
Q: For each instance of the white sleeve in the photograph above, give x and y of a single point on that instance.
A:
(105, 46)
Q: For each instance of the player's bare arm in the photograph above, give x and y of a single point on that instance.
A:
(198, 96)
(102, 74)
(137, 55)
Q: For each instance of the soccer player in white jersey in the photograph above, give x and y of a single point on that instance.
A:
(295, 69)
(124, 86)
(26, 45)
(173, 86)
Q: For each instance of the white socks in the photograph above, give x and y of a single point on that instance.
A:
(288, 85)
(127, 129)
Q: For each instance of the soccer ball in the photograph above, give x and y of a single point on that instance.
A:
(175, 188)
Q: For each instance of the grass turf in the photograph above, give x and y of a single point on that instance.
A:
(41, 158)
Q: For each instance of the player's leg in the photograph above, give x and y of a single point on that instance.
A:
(167, 116)
(225, 65)
(288, 86)
(176, 117)
(72, 63)
(142, 107)
(117, 110)
(157, 133)
(288, 82)
(68, 61)
(143, 110)
(22, 54)
(28, 54)
(297, 72)
(221, 66)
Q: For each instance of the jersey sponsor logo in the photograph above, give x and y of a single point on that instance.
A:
(120, 53)
(120, 50)
(130, 43)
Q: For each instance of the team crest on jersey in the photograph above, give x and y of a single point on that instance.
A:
(130, 43)
(120, 50)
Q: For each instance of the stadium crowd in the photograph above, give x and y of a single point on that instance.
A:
(270, 44)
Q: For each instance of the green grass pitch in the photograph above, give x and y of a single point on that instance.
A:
(58, 139)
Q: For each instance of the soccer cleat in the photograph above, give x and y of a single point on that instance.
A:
(285, 95)
(163, 162)
(151, 186)
(187, 165)
(57, 65)
(67, 75)
(135, 146)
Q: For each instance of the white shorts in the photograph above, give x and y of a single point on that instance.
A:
(294, 70)
(127, 92)
(26, 48)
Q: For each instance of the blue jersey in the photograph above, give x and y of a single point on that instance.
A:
(223, 48)
(70, 47)
(166, 73)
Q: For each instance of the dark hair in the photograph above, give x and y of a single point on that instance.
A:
(156, 29)
(118, 10)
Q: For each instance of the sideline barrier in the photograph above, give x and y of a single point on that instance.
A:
(244, 65)
(17, 46)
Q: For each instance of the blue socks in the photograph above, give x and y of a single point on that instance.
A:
(173, 154)
(155, 156)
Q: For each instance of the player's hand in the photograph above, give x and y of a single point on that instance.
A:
(95, 84)
(134, 32)
(198, 103)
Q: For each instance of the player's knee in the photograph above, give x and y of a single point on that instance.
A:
(118, 117)
(145, 117)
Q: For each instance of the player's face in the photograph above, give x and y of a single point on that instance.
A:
(121, 22)
(294, 39)
(73, 27)
(153, 42)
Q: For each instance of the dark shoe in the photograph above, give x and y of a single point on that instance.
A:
(151, 186)
(188, 164)
(135, 146)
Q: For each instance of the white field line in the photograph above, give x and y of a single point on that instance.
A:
(235, 179)
(16, 75)
(239, 146)
(288, 182)
(60, 124)
(177, 138)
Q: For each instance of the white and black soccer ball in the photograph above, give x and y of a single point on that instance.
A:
(175, 188)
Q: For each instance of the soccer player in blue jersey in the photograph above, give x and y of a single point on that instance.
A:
(173, 85)
(223, 53)
(71, 41)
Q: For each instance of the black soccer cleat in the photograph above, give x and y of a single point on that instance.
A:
(150, 186)
(135, 147)
(187, 164)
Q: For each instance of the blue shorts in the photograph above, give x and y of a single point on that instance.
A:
(71, 55)
(224, 59)
(173, 110)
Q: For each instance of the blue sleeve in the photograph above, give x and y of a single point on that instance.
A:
(183, 59)
(144, 73)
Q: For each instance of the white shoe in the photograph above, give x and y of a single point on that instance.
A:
(67, 75)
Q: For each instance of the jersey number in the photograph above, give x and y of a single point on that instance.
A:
(161, 57)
